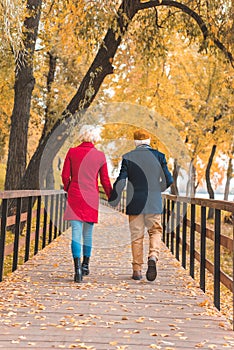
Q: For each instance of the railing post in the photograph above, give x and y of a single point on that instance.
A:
(178, 230)
(64, 207)
(172, 225)
(37, 233)
(217, 260)
(124, 202)
(28, 230)
(44, 230)
(168, 223)
(3, 235)
(56, 216)
(121, 203)
(17, 233)
(164, 221)
(60, 213)
(184, 235)
(51, 217)
(192, 240)
(203, 250)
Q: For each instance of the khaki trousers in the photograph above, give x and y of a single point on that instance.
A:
(137, 225)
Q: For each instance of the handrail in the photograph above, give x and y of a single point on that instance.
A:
(27, 193)
(29, 220)
(210, 203)
(187, 234)
(179, 215)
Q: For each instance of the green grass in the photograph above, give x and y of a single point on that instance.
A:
(2, 175)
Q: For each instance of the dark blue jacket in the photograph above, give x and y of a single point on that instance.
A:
(147, 175)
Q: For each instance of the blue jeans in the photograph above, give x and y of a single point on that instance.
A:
(82, 234)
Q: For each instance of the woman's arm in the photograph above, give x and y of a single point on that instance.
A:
(105, 180)
(66, 172)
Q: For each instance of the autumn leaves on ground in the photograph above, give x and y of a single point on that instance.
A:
(41, 307)
(157, 57)
(159, 70)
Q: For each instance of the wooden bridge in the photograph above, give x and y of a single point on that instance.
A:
(42, 308)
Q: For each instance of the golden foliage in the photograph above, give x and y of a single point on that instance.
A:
(162, 64)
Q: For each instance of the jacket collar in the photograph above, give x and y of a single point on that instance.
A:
(87, 144)
(143, 146)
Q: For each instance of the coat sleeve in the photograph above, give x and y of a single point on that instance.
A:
(66, 172)
(119, 184)
(104, 178)
(167, 178)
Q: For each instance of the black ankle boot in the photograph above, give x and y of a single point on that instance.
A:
(85, 266)
(78, 270)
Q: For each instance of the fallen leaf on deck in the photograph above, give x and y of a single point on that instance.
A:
(113, 343)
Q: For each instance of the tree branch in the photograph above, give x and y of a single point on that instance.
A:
(149, 4)
(198, 19)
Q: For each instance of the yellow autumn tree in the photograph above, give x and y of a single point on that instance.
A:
(193, 91)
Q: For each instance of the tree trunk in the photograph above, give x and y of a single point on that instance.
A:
(24, 85)
(174, 187)
(228, 179)
(50, 178)
(190, 190)
(51, 142)
(49, 115)
(208, 182)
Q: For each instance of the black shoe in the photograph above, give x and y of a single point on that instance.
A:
(85, 266)
(78, 270)
(137, 276)
(151, 273)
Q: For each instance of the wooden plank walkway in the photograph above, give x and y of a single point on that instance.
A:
(42, 308)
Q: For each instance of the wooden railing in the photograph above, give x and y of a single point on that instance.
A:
(200, 244)
(29, 220)
(204, 247)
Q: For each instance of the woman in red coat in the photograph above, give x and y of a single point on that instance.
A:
(82, 166)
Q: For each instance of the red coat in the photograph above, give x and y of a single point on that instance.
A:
(80, 172)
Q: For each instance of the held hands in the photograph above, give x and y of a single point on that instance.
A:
(113, 199)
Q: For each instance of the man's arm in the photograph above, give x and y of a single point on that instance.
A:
(119, 184)
(166, 175)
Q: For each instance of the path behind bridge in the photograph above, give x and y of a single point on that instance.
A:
(42, 308)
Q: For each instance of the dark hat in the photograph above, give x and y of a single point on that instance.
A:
(141, 134)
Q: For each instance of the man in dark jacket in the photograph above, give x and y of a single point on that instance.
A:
(147, 173)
